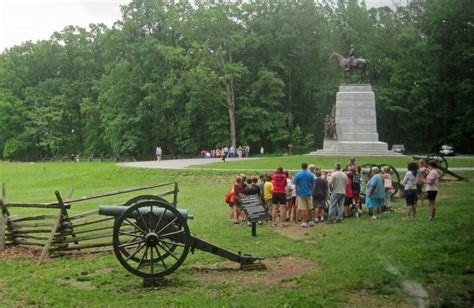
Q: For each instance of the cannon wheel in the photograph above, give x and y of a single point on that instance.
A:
(140, 198)
(142, 244)
(134, 201)
(395, 179)
(440, 160)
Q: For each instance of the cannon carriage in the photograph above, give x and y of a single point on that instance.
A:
(149, 235)
(151, 238)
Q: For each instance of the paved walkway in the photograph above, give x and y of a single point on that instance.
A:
(175, 163)
(184, 163)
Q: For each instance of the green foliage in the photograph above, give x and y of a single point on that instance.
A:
(214, 74)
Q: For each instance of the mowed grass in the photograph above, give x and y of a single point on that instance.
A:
(327, 162)
(360, 262)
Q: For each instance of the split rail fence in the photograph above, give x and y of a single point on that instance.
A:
(57, 233)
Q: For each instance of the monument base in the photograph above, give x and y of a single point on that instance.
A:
(355, 148)
(355, 124)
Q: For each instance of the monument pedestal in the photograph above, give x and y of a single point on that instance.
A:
(356, 124)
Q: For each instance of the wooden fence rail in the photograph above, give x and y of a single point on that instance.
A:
(62, 234)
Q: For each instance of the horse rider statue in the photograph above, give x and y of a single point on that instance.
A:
(350, 63)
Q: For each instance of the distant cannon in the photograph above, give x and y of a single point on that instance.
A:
(442, 163)
(151, 238)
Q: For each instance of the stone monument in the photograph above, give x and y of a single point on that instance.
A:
(352, 128)
(355, 124)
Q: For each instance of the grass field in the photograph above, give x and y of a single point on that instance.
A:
(361, 262)
(327, 162)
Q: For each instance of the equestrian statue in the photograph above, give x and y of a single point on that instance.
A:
(350, 63)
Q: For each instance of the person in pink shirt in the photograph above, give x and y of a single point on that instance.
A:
(432, 182)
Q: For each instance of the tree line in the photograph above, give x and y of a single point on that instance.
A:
(191, 77)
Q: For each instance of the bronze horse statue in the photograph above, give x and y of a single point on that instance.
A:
(348, 64)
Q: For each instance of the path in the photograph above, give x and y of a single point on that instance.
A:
(175, 163)
(185, 163)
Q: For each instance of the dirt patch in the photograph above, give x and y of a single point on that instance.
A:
(15, 252)
(295, 232)
(365, 299)
(79, 284)
(279, 271)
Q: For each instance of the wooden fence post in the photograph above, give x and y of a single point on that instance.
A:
(175, 195)
(2, 232)
(56, 228)
(3, 216)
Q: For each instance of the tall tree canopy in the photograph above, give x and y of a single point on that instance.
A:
(207, 75)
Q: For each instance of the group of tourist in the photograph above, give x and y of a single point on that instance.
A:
(226, 152)
(305, 198)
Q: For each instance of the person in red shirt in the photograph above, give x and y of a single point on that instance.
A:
(238, 192)
(349, 194)
(279, 196)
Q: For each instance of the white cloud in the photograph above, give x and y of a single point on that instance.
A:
(23, 20)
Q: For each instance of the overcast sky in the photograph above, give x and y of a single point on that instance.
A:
(23, 20)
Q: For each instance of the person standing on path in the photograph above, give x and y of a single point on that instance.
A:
(432, 182)
(158, 153)
(337, 185)
(304, 186)
(279, 196)
(225, 152)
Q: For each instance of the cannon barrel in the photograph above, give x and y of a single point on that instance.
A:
(117, 210)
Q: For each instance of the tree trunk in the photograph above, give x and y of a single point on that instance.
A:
(231, 109)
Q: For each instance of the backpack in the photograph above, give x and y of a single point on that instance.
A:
(230, 196)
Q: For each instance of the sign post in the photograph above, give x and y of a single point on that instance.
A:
(255, 211)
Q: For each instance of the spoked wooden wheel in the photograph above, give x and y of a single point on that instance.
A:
(395, 179)
(440, 161)
(151, 239)
(134, 201)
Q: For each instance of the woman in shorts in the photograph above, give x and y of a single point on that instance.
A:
(320, 195)
(432, 182)
(409, 181)
(420, 177)
(289, 200)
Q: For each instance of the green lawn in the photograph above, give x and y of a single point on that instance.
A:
(360, 262)
(327, 162)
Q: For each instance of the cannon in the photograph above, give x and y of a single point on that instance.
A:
(442, 163)
(151, 238)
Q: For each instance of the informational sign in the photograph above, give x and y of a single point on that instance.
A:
(253, 208)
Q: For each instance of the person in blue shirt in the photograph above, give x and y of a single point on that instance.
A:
(375, 193)
(304, 185)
